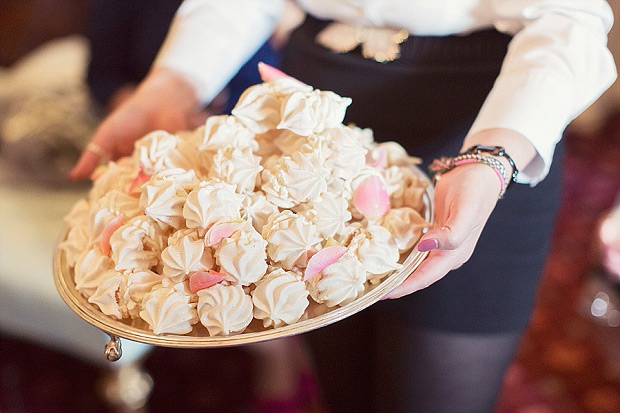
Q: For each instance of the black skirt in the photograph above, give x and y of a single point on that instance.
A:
(427, 100)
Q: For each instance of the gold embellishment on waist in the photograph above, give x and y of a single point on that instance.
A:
(378, 43)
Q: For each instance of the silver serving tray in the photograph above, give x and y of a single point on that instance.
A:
(137, 330)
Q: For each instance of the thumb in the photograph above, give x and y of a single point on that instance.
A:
(450, 236)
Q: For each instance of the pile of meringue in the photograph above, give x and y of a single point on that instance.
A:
(275, 214)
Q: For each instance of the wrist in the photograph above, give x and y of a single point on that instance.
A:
(515, 144)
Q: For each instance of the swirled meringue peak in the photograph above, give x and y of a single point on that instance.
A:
(164, 195)
(115, 175)
(304, 113)
(242, 256)
(89, 267)
(226, 130)
(406, 226)
(339, 283)
(76, 242)
(111, 286)
(257, 209)
(280, 298)
(375, 247)
(348, 157)
(295, 179)
(330, 215)
(107, 208)
(137, 245)
(211, 202)
(291, 239)
(160, 149)
(186, 254)
(168, 309)
(224, 309)
(236, 166)
(139, 283)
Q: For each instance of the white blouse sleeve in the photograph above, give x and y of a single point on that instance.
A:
(557, 64)
(209, 40)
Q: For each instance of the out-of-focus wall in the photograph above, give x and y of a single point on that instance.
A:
(25, 24)
(594, 117)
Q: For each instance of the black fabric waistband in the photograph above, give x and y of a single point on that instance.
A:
(479, 47)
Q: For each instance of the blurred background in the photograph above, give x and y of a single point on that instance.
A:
(59, 75)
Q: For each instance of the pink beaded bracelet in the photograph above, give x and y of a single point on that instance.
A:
(442, 165)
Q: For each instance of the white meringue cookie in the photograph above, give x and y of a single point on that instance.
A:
(211, 202)
(138, 283)
(397, 155)
(89, 267)
(79, 213)
(76, 242)
(224, 309)
(114, 175)
(258, 109)
(257, 209)
(236, 166)
(348, 157)
(313, 112)
(242, 256)
(295, 179)
(330, 215)
(226, 130)
(169, 309)
(163, 201)
(376, 249)
(408, 187)
(406, 226)
(340, 283)
(110, 206)
(106, 296)
(160, 149)
(280, 298)
(290, 237)
(136, 245)
(187, 253)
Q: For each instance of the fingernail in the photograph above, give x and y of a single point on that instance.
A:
(428, 245)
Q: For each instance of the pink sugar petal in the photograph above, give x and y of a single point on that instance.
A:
(220, 231)
(380, 162)
(268, 73)
(200, 280)
(139, 180)
(371, 198)
(109, 229)
(323, 259)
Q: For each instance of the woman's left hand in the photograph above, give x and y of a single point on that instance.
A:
(464, 199)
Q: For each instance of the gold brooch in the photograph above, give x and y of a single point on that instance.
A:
(378, 43)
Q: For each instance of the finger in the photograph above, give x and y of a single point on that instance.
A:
(455, 230)
(432, 269)
(268, 73)
(85, 166)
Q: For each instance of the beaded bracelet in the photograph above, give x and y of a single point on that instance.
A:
(497, 151)
(442, 165)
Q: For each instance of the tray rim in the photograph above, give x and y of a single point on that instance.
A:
(79, 304)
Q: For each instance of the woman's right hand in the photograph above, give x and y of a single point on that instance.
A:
(164, 100)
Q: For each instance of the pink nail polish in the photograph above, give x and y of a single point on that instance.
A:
(428, 245)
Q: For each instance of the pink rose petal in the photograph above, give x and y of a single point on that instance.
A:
(109, 229)
(200, 280)
(220, 231)
(139, 180)
(371, 198)
(268, 73)
(323, 259)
